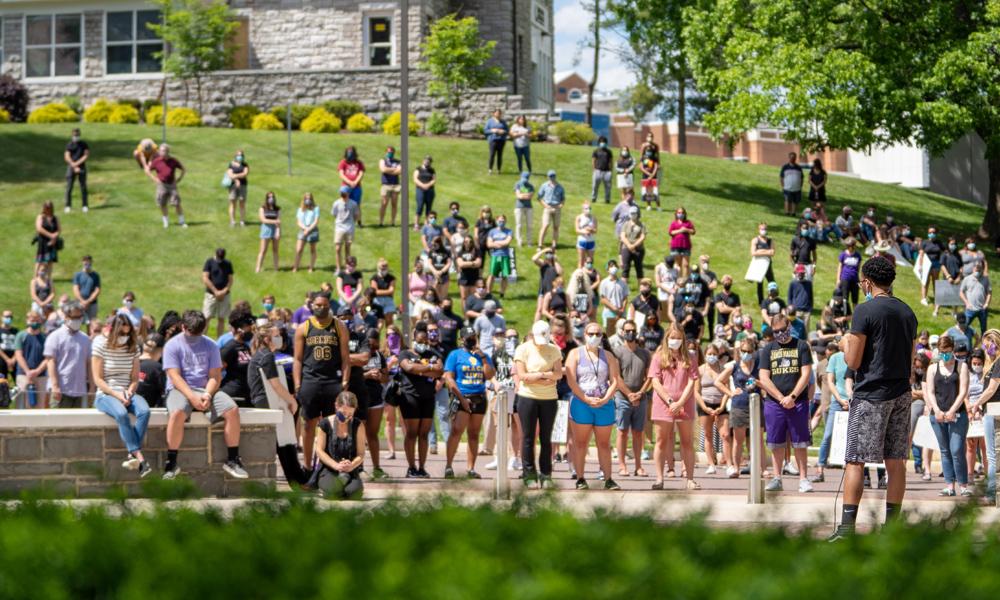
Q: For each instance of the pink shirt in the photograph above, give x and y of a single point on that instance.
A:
(418, 285)
(680, 241)
(673, 380)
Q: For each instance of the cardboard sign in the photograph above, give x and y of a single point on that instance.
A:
(758, 269)
(922, 269)
(946, 293)
(923, 434)
(286, 429)
(838, 442)
(561, 429)
(976, 429)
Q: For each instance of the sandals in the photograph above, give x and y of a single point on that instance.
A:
(671, 473)
(657, 486)
(639, 473)
(693, 485)
(623, 472)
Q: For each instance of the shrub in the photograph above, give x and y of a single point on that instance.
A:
(241, 117)
(98, 112)
(133, 102)
(56, 112)
(343, 109)
(4, 116)
(573, 132)
(392, 125)
(266, 122)
(123, 113)
(437, 124)
(73, 102)
(299, 114)
(539, 130)
(148, 104)
(183, 117)
(321, 121)
(13, 98)
(154, 115)
(360, 123)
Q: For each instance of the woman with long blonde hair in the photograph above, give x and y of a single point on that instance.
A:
(991, 393)
(673, 372)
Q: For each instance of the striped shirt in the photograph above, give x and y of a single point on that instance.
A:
(117, 363)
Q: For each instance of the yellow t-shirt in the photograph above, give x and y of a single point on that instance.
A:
(149, 152)
(537, 359)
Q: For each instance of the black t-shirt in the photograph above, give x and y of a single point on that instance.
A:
(236, 358)
(802, 249)
(547, 274)
(483, 228)
(371, 314)
(468, 276)
(375, 362)
(76, 150)
(785, 362)
(475, 303)
(218, 272)
(416, 387)
(357, 343)
(439, 258)
(691, 328)
(694, 290)
(602, 159)
(383, 283)
(932, 249)
(152, 382)
(425, 174)
(731, 299)
(648, 305)
(262, 360)
(652, 337)
(952, 264)
(238, 170)
(774, 305)
(448, 325)
(889, 327)
(994, 373)
(350, 278)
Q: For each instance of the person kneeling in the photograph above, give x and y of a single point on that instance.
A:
(340, 447)
(194, 371)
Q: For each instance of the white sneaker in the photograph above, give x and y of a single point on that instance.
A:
(491, 466)
(184, 225)
(85, 209)
(131, 464)
(732, 473)
(515, 464)
(790, 469)
(710, 470)
(68, 209)
(774, 485)
(805, 487)
(923, 301)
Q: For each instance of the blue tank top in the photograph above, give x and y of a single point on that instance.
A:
(740, 379)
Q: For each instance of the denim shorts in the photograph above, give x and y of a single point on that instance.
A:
(629, 416)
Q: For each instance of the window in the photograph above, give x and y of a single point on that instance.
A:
(541, 17)
(53, 45)
(130, 45)
(378, 40)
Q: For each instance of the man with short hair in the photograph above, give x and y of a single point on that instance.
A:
(68, 352)
(601, 161)
(800, 293)
(879, 348)
(486, 324)
(194, 373)
(345, 215)
(790, 179)
(803, 250)
(217, 275)
(613, 294)
(552, 197)
(32, 367)
(454, 219)
(632, 396)
(75, 156)
(86, 288)
(498, 241)
(976, 293)
(163, 170)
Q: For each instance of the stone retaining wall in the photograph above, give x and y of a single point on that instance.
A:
(86, 460)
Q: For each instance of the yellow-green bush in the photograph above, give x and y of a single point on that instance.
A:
(573, 132)
(56, 112)
(393, 124)
(320, 121)
(183, 117)
(123, 113)
(154, 115)
(98, 112)
(266, 122)
(4, 116)
(360, 123)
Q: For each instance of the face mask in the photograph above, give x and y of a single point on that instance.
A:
(74, 324)
(952, 247)
(277, 342)
(489, 313)
(782, 337)
(593, 341)
(918, 371)
(977, 369)
(388, 155)
(603, 145)
(321, 313)
(624, 154)
(674, 344)
(239, 158)
(680, 216)
(481, 291)
(268, 307)
(352, 155)
(308, 203)
(86, 266)
(127, 303)
(907, 233)
(559, 289)
(419, 347)
(510, 345)
(542, 339)
(469, 343)
(629, 336)
(433, 335)
(548, 257)
(931, 236)
(588, 265)
(75, 138)
(501, 223)
(122, 340)
(803, 232)
(762, 232)
(727, 286)
(8, 320)
(613, 271)
(971, 245)
(433, 220)
(454, 212)
(991, 349)
(35, 326)
(746, 356)
(712, 359)
(341, 417)
(871, 213)
(487, 215)
(947, 356)
(645, 291)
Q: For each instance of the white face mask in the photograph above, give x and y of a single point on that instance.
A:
(277, 342)
(613, 271)
(674, 344)
(127, 303)
(593, 341)
(542, 339)
(977, 369)
(74, 324)
(122, 340)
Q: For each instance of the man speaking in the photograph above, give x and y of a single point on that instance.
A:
(879, 348)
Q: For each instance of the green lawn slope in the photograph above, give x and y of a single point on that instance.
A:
(131, 250)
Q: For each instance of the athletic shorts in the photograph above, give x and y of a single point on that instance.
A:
(629, 416)
(416, 408)
(586, 244)
(878, 430)
(793, 197)
(221, 404)
(477, 404)
(584, 414)
(783, 423)
(166, 193)
(500, 266)
(317, 398)
(702, 413)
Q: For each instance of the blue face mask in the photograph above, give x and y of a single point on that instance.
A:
(746, 356)
(341, 416)
(947, 356)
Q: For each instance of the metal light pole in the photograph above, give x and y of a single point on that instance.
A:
(756, 491)
(404, 152)
(164, 134)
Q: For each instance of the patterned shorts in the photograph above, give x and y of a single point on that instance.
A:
(878, 430)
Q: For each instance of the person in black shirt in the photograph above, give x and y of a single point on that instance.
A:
(601, 163)
(448, 325)
(236, 356)
(217, 275)
(360, 352)
(420, 367)
(803, 249)
(880, 348)
(152, 380)
(726, 301)
(454, 219)
(930, 251)
(370, 312)
(376, 372)
(652, 333)
(340, 447)
(474, 304)
(76, 154)
(691, 321)
(646, 302)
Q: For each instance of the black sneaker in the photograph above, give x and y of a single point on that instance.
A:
(745, 470)
(883, 482)
(611, 485)
(868, 482)
(144, 469)
(171, 472)
(842, 532)
(473, 475)
(581, 484)
(412, 473)
(449, 473)
(235, 468)
(423, 474)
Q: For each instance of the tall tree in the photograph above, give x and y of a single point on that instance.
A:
(655, 51)
(196, 36)
(855, 73)
(594, 7)
(455, 56)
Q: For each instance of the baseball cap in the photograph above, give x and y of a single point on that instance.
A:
(552, 173)
(345, 309)
(772, 286)
(468, 332)
(345, 190)
(489, 305)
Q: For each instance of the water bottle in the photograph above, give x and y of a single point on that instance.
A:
(32, 395)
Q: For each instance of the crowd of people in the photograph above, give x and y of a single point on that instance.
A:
(637, 359)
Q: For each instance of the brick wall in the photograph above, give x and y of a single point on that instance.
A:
(87, 461)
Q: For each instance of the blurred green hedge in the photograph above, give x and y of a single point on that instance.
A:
(297, 549)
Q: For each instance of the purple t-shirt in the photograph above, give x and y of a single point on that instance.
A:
(851, 263)
(301, 315)
(194, 356)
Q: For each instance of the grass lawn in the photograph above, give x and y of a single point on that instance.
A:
(132, 251)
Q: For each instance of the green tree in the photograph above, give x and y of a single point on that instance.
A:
(855, 73)
(640, 100)
(455, 56)
(655, 51)
(196, 36)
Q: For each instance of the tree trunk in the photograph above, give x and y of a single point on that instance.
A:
(592, 84)
(197, 84)
(682, 140)
(990, 229)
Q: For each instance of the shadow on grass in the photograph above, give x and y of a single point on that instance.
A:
(42, 160)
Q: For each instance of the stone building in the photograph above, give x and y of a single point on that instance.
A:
(303, 51)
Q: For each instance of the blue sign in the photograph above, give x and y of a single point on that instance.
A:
(600, 123)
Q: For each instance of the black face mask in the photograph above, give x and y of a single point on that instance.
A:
(629, 336)
(469, 343)
(727, 286)
(321, 313)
